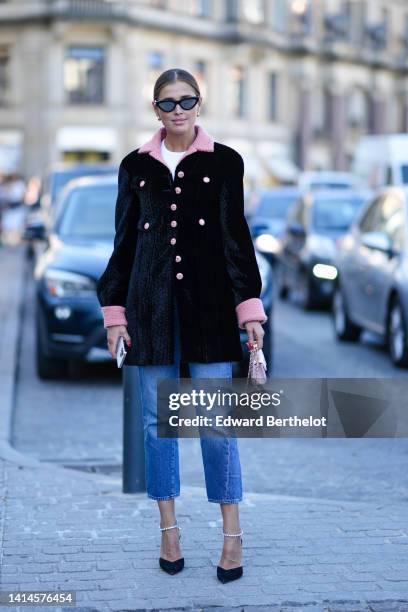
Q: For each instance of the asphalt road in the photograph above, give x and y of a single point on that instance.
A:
(79, 421)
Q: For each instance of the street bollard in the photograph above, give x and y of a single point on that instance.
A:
(134, 480)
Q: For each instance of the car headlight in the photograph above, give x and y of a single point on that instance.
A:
(267, 243)
(321, 246)
(60, 283)
(324, 271)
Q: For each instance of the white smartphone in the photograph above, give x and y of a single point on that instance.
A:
(120, 352)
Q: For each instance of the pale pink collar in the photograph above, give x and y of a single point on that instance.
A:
(202, 142)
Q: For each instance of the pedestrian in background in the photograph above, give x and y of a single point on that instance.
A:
(181, 281)
(16, 188)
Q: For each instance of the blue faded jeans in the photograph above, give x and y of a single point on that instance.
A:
(222, 468)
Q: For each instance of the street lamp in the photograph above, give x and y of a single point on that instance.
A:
(299, 7)
(300, 10)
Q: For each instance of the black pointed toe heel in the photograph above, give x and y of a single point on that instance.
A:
(226, 575)
(171, 567)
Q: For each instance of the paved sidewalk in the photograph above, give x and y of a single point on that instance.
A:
(63, 529)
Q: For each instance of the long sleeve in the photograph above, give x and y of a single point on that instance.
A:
(239, 250)
(112, 286)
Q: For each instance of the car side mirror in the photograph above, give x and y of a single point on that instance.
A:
(296, 229)
(378, 241)
(36, 231)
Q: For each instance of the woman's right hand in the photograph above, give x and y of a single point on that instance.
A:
(114, 332)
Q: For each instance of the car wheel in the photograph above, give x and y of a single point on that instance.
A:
(282, 289)
(30, 251)
(307, 299)
(397, 336)
(48, 368)
(344, 328)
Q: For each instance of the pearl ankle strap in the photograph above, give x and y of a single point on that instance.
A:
(233, 535)
(171, 527)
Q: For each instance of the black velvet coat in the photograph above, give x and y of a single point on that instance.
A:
(218, 264)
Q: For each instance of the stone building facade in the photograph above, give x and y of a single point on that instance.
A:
(287, 82)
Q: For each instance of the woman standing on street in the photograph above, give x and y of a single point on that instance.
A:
(181, 281)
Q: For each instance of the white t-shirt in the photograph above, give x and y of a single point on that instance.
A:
(171, 158)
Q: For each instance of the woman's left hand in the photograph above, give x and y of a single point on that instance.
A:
(255, 332)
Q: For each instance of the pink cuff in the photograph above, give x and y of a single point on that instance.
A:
(113, 315)
(250, 310)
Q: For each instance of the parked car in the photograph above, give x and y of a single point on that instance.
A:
(306, 260)
(69, 323)
(61, 173)
(371, 290)
(326, 179)
(267, 224)
(68, 318)
(382, 159)
(57, 177)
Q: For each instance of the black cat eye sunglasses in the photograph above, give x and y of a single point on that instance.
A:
(169, 105)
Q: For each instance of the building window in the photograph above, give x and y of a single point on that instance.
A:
(385, 16)
(377, 25)
(332, 6)
(253, 11)
(322, 111)
(84, 69)
(405, 34)
(196, 8)
(327, 111)
(4, 76)
(396, 113)
(279, 15)
(201, 76)
(155, 60)
(204, 8)
(273, 96)
(318, 113)
(155, 63)
(231, 10)
(357, 108)
(238, 91)
(371, 114)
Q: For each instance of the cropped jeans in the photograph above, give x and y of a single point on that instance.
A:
(220, 455)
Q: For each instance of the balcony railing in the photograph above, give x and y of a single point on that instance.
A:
(20, 10)
(377, 35)
(337, 27)
(86, 8)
